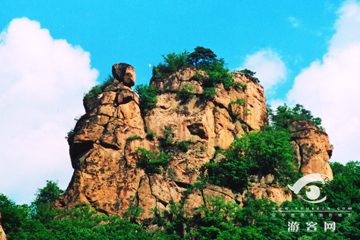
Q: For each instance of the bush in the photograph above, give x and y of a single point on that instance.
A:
(267, 152)
(70, 134)
(197, 76)
(151, 162)
(172, 62)
(185, 92)
(250, 74)
(150, 136)
(209, 92)
(184, 145)
(285, 115)
(96, 90)
(147, 96)
(132, 138)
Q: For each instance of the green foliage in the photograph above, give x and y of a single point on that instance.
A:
(209, 92)
(242, 85)
(201, 57)
(184, 145)
(96, 90)
(166, 140)
(172, 62)
(285, 115)
(216, 219)
(147, 96)
(239, 101)
(185, 92)
(217, 74)
(70, 134)
(250, 74)
(132, 138)
(197, 76)
(151, 162)
(150, 136)
(269, 151)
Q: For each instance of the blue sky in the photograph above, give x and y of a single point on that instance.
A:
(52, 52)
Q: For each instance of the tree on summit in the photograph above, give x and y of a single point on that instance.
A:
(201, 56)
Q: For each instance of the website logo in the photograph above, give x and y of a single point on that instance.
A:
(314, 192)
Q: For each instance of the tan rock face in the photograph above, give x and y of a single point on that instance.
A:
(312, 148)
(104, 147)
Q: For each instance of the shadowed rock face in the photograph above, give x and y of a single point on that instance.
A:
(104, 159)
(2, 232)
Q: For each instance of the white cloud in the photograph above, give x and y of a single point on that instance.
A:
(42, 84)
(269, 68)
(294, 22)
(331, 88)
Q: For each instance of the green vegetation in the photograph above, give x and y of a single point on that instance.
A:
(96, 90)
(70, 134)
(151, 162)
(150, 136)
(197, 76)
(209, 92)
(239, 101)
(184, 145)
(215, 220)
(250, 74)
(285, 115)
(166, 140)
(202, 58)
(147, 96)
(242, 85)
(132, 138)
(267, 152)
(172, 63)
(185, 92)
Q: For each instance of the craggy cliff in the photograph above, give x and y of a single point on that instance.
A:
(104, 147)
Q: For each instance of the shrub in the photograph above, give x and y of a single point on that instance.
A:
(209, 92)
(250, 74)
(269, 151)
(70, 134)
(242, 85)
(150, 136)
(239, 101)
(151, 162)
(285, 115)
(132, 138)
(197, 76)
(147, 96)
(172, 62)
(96, 90)
(185, 92)
(184, 145)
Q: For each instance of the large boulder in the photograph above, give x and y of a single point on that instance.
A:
(124, 73)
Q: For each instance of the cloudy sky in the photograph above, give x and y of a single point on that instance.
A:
(52, 52)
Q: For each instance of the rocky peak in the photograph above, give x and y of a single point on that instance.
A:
(104, 149)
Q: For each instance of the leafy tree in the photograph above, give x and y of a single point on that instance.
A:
(285, 115)
(172, 62)
(250, 74)
(269, 151)
(147, 96)
(201, 57)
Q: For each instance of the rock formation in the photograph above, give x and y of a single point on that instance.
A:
(312, 148)
(104, 147)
